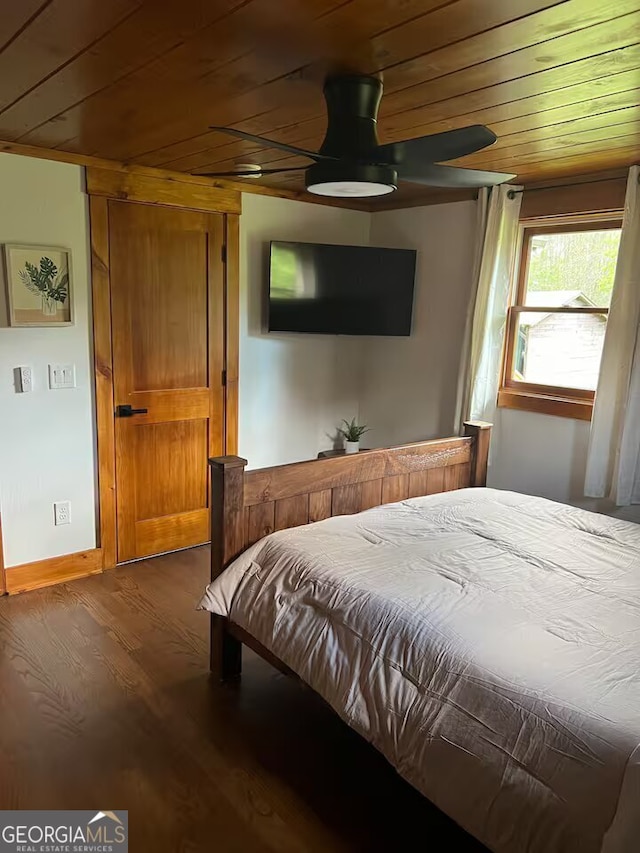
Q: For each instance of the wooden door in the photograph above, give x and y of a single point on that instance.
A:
(167, 321)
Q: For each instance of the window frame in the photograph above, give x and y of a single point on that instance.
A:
(530, 396)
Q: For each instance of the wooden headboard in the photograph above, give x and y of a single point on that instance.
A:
(247, 505)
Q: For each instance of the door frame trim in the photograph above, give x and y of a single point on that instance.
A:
(102, 348)
(3, 580)
(231, 331)
(103, 378)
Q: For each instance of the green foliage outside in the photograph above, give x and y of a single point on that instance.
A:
(584, 261)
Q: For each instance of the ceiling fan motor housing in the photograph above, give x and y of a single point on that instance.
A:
(352, 137)
(352, 111)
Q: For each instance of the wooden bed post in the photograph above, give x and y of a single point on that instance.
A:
(480, 432)
(227, 541)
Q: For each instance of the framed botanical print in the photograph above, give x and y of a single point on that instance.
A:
(39, 285)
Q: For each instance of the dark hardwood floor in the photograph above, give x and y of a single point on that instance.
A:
(105, 702)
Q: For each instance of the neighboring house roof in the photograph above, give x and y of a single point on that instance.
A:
(552, 299)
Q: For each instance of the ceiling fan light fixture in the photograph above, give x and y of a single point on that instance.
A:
(350, 180)
(350, 189)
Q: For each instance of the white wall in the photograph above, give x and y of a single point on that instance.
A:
(46, 437)
(539, 455)
(546, 456)
(409, 384)
(294, 389)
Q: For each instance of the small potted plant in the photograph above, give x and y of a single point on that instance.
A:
(352, 433)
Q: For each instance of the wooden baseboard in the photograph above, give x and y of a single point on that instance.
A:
(54, 570)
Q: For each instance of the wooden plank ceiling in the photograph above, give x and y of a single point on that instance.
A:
(140, 81)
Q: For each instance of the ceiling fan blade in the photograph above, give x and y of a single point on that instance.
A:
(272, 143)
(252, 174)
(434, 175)
(440, 146)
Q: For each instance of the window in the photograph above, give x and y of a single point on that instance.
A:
(558, 316)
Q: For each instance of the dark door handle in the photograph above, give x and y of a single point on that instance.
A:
(128, 412)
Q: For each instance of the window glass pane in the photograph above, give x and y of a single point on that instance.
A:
(559, 349)
(572, 270)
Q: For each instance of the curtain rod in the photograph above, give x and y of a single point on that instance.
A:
(513, 193)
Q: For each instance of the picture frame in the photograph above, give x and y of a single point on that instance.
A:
(39, 285)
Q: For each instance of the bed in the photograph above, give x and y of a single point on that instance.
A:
(487, 643)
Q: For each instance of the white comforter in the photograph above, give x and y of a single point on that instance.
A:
(487, 643)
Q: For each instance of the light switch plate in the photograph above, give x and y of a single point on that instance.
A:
(62, 376)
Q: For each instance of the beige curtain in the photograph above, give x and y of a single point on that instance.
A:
(613, 468)
(496, 242)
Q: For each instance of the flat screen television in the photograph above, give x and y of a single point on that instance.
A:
(340, 290)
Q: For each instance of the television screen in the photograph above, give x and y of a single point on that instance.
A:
(340, 290)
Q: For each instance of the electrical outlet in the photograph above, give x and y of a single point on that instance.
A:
(25, 379)
(62, 512)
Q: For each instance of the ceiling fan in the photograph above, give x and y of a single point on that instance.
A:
(351, 162)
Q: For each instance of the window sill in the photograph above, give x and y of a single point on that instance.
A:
(562, 407)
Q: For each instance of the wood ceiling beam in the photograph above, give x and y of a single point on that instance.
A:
(8, 147)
